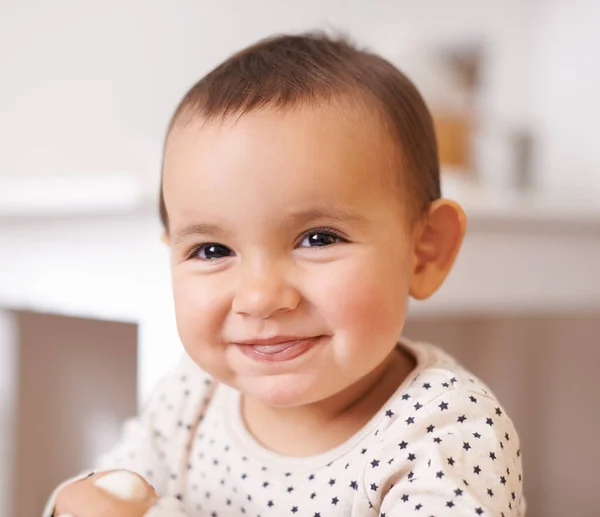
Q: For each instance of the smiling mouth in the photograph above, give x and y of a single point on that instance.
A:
(281, 348)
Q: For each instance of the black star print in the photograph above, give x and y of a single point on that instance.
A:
(449, 504)
(466, 446)
(507, 437)
(489, 422)
(498, 411)
(427, 386)
(317, 514)
(430, 428)
(461, 419)
(403, 445)
(490, 493)
(335, 501)
(458, 492)
(477, 435)
(331, 482)
(437, 440)
(418, 406)
(492, 456)
(451, 462)
(406, 396)
(473, 399)
(294, 509)
(290, 489)
(374, 487)
(479, 511)
(389, 413)
(354, 485)
(445, 385)
(244, 476)
(418, 507)
(404, 498)
(439, 474)
(311, 477)
(410, 420)
(410, 474)
(411, 457)
(374, 463)
(453, 380)
(476, 470)
(443, 406)
(363, 451)
(313, 495)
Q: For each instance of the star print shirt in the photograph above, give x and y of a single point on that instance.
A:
(441, 446)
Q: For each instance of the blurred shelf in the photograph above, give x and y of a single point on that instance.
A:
(121, 193)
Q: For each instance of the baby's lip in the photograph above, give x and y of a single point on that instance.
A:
(273, 340)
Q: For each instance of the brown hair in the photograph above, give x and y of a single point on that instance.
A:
(291, 70)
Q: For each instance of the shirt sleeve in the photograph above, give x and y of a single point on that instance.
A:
(458, 455)
(153, 444)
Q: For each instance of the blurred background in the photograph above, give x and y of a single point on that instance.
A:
(86, 323)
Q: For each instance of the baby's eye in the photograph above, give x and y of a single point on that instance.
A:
(211, 251)
(318, 239)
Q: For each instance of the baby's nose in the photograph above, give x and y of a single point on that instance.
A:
(261, 296)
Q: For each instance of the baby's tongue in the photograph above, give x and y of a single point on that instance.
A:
(273, 349)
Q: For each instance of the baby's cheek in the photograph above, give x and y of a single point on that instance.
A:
(198, 315)
(369, 305)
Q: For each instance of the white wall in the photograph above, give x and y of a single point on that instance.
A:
(87, 87)
(566, 92)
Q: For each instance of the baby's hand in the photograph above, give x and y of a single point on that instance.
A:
(106, 494)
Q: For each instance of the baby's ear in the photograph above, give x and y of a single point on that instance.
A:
(437, 242)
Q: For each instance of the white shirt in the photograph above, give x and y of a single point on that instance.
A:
(441, 446)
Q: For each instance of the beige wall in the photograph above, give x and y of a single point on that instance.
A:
(77, 382)
(546, 372)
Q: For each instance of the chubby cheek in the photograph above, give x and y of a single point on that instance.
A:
(200, 311)
(365, 305)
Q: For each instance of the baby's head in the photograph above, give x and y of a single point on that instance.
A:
(301, 201)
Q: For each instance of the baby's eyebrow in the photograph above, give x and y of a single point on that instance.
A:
(197, 229)
(332, 213)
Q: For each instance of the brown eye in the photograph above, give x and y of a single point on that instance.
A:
(211, 251)
(319, 239)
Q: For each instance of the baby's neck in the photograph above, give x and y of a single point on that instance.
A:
(317, 428)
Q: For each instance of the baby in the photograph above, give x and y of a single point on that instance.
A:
(301, 204)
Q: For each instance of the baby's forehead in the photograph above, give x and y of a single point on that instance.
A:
(349, 123)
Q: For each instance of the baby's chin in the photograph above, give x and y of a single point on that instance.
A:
(286, 391)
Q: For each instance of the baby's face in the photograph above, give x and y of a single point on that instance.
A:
(291, 251)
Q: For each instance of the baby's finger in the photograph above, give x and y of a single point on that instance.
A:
(84, 499)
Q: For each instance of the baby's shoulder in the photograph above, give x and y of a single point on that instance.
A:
(443, 406)
(444, 433)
